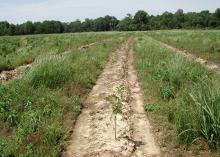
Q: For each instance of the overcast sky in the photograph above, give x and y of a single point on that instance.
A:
(18, 11)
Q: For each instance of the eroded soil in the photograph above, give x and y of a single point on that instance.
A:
(93, 134)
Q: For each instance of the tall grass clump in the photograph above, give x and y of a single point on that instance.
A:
(51, 72)
(199, 115)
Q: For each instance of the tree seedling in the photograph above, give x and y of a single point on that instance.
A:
(116, 100)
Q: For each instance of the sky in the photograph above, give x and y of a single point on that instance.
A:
(19, 11)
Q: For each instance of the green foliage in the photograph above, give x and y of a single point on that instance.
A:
(166, 91)
(150, 107)
(52, 134)
(75, 104)
(12, 118)
(204, 98)
(51, 72)
(116, 100)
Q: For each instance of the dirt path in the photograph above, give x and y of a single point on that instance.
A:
(207, 64)
(93, 135)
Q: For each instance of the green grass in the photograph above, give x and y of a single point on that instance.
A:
(35, 109)
(205, 44)
(19, 50)
(186, 94)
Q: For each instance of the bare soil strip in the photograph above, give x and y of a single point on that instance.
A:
(93, 134)
(207, 64)
(12, 74)
(86, 46)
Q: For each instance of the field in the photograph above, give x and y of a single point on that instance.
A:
(63, 104)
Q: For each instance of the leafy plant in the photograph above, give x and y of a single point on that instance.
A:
(150, 107)
(75, 105)
(166, 91)
(12, 118)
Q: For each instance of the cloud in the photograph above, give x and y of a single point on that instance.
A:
(18, 11)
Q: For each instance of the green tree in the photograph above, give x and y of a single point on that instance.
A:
(75, 26)
(141, 19)
(28, 28)
(167, 20)
(4, 28)
(88, 25)
(179, 19)
(126, 24)
(38, 28)
(217, 17)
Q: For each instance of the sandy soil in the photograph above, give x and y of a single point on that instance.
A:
(93, 134)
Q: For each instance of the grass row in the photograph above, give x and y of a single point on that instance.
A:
(36, 110)
(19, 50)
(180, 92)
(205, 44)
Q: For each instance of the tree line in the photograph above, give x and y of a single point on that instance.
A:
(141, 21)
